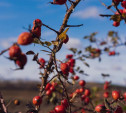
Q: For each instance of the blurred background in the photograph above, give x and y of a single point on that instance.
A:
(16, 16)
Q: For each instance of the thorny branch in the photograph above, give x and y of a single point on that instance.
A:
(56, 48)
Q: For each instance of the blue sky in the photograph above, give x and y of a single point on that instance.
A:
(14, 15)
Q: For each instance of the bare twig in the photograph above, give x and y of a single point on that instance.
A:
(3, 108)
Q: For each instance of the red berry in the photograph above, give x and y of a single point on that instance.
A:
(81, 90)
(64, 67)
(71, 70)
(118, 110)
(59, 2)
(115, 95)
(60, 109)
(106, 94)
(121, 11)
(66, 39)
(83, 111)
(52, 88)
(48, 92)
(112, 53)
(82, 83)
(37, 100)
(105, 86)
(100, 108)
(124, 95)
(87, 92)
(25, 38)
(124, 10)
(21, 60)
(37, 23)
(116, 24)
(64, 102)
(42, 62)
(76, 77)
(86, 100)
(77, 91)
(36, 32)
(48, 86)
(71, 62)
(123, 4)
(83, 97)
(69, 56)
(98, 50)
(14, 51)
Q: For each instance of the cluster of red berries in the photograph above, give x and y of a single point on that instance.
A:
(112, 53)
(122, 11)
(68, 66)
(50, 87)
(102, 109)
(106, 87)
(26, 38)
(83, 93)
(17, 56)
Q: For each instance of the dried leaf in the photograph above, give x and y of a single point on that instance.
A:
(37, 41)
(86, 64)
(74, 50)
(30, 53)
(46, 51)
(62, 36)
(116, 18)
(35, 57)
(55, 42)
(47, 43)
(81, 71)
(110, 33)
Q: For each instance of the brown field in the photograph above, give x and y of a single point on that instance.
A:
(25, 91)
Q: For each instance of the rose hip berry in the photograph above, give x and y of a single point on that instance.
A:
(59, 2)
(21, 60)
(14, 51)
(25, 38)
(64, 102)
(66, 39)
(37, 100)
(76, 77)
(87, 92)
(60, 109)
(115, 95)
(37, 23)
(100, 108)
(82, 83)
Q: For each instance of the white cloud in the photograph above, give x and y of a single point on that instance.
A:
(47, 33)
(5, 43)
(73, 43)
(90, 12)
